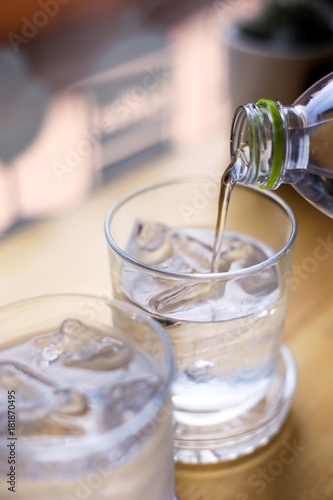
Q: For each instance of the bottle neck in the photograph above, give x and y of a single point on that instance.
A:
(261, 143)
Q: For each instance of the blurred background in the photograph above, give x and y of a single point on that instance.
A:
(88, 89)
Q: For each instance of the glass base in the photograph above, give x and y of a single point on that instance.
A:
(242, 435)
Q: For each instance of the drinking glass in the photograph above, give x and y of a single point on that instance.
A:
(87, 383)
(235, 377)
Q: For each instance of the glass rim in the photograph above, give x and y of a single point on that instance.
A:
(106, 440)
(198, 277)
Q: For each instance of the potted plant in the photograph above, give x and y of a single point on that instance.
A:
(281, 52)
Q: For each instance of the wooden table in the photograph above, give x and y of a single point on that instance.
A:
(68, 254)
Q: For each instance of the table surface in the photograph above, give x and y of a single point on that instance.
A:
(68, 254)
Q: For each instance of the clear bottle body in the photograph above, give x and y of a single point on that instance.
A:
(276, 144)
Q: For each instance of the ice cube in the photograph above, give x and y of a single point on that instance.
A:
(262, 283)
(69, 402)
(200, 371)
(125, 399)
(32, 392)
(240, 252)
(40, 401)
(182, 297)
(195, 250)
(149, 242)
(80, 346)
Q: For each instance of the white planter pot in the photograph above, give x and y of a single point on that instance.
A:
(259, 70)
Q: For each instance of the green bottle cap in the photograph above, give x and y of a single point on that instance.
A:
(277, 141)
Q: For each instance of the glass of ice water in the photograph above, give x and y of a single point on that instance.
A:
(86, 382)
(235, 376)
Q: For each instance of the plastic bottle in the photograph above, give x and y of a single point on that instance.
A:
(273, 144)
